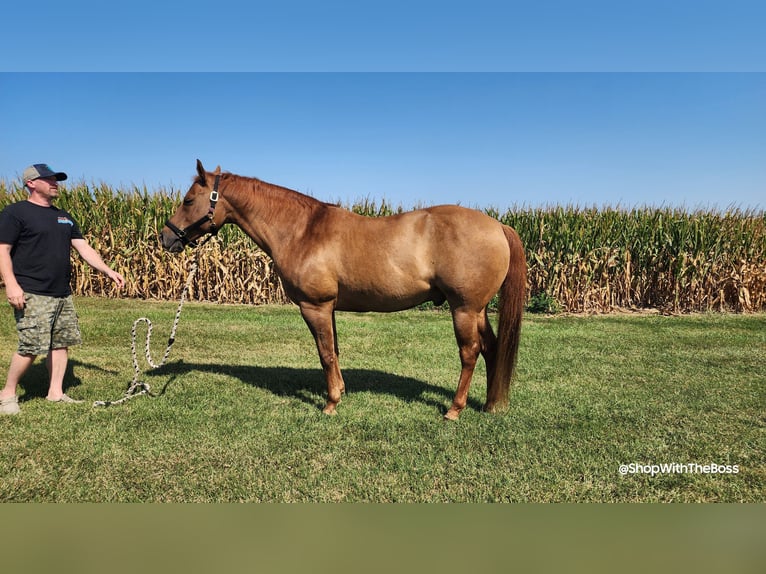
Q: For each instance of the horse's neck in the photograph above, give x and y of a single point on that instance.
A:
(272, 216)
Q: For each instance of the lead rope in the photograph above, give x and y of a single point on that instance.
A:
(136, 387)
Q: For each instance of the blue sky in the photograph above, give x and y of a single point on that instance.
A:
(499, 104)
(384, 35)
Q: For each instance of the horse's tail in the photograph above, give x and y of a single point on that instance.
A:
(511, 308)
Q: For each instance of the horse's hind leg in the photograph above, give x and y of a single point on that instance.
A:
(466, 323)
(488, 345)
(321, 322)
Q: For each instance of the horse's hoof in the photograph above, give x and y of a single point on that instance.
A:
(330, 410)
(495, 408)
(452, 415)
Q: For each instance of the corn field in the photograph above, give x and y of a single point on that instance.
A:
(583, 260)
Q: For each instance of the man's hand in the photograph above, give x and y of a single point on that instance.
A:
(15, 296)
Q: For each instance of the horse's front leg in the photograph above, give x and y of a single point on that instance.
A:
(320, 319)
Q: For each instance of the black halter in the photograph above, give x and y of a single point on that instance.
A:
(182, 234)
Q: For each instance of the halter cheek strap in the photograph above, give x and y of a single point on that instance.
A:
(183, 234)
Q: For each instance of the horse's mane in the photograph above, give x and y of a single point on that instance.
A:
(275, 195)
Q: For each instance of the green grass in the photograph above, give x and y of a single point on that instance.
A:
(236, 414)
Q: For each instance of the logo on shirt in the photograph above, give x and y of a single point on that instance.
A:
(66, 220)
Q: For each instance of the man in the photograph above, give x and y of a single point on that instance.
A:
(35, 243)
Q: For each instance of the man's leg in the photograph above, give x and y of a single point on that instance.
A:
(56, 363)
(33, 339)
(65, 333)
(19, 366)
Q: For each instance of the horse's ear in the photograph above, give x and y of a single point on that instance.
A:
(217, 170)
(201, 178)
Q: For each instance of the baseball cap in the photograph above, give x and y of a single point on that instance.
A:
(39, 170)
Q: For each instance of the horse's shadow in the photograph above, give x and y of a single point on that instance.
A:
(308, 385)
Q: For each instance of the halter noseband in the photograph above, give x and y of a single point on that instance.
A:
(182, 234)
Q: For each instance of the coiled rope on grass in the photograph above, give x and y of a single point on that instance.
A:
(138, 387)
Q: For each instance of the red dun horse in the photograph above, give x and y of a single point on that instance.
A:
(330, 259)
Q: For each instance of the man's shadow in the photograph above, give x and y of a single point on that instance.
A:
(306, 384)
(36, 380)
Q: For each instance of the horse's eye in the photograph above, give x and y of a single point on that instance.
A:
(188, 201)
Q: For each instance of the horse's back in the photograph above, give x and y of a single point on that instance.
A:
(395, 262)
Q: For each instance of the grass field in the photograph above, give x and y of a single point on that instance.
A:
(237, 412)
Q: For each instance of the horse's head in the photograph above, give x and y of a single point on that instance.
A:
(197, 215)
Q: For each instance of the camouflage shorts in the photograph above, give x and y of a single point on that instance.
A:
(46, 323)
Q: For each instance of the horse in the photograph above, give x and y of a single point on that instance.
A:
(330, 259)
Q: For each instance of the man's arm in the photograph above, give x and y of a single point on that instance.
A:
(93, 259)
(13, 290)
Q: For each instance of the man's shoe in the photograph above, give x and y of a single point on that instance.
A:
(9, 406)
(64, 399)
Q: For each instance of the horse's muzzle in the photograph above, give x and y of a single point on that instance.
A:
(171, 242)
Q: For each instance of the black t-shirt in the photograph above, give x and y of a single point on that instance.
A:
(41, 240)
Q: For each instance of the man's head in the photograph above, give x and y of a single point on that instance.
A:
(41, 181)
(42, 171)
